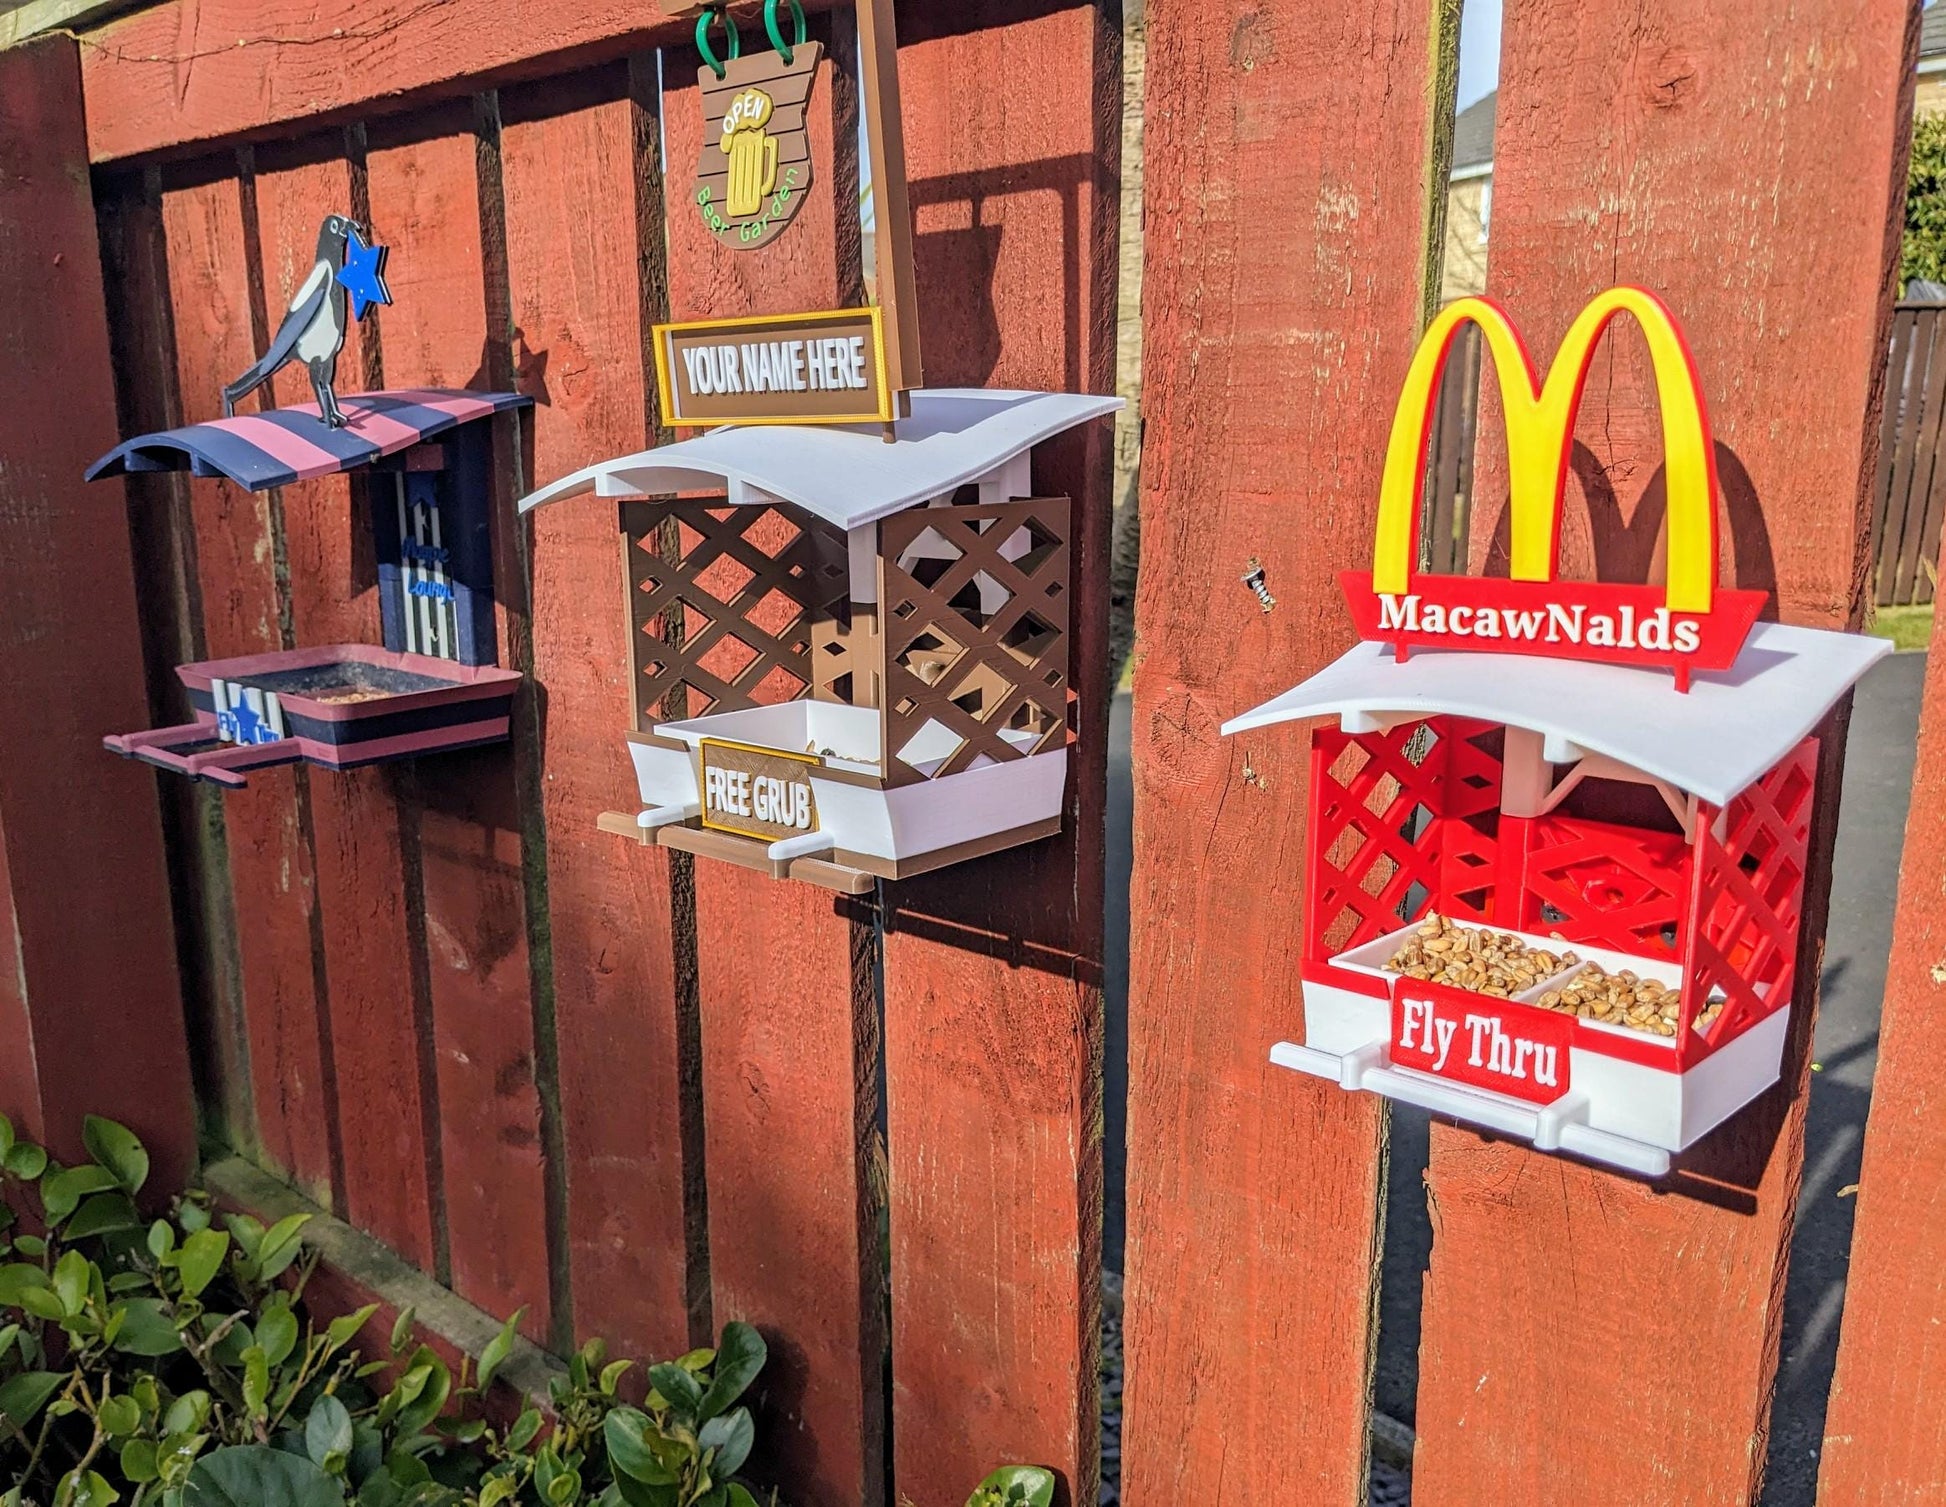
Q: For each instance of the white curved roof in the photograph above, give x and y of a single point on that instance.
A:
(847, 474)
(1715, 740)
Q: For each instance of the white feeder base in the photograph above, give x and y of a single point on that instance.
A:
(889, 831)
(1626, 1114)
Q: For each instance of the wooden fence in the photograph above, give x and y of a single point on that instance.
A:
(638, 1096)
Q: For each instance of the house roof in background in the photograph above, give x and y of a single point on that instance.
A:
(1473, 131)
(1932, 31)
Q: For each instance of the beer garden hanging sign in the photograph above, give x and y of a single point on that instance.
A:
(756, 159)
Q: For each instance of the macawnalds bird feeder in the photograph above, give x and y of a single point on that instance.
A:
(1558, 832)
(849, 658)
(421, 468)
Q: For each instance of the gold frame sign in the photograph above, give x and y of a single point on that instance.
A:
(824, 368)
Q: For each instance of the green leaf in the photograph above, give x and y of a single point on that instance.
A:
(612, 1374)
(23, 1396)
(328, 1430)
(256, 1381)
(429, 1396)
(342, 1331)
(139, 1461)
(187, 1414)
(740, 1497)
(31, 1246)
(85, 1488)
(1016, 1486)
(739, 1357)
(497, 1350)
(732, 1436)
(162, 1239)
(6, 1136)
(146, 1329)
(200, 1259)
(498, 1490)
(16, 1279)
(402, 1328)
(72, 1280)
(103, 1214)
(525, 1428)
(676, 1387)
(62, 1193)
(25, 1161)
(119, 1416)
(626, 1433)
(277, 1334)
(116, 1148)
(253, 1476)
(43, 1303)
(280, 1246)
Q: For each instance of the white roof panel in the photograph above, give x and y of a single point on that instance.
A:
(1714, 741)
(847, 474)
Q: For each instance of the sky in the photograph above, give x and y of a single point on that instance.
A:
(1479, 67)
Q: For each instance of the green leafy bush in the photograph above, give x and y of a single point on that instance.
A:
(1923, 251)
(169, 1363)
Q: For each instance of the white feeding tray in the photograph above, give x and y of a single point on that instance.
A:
(891, 831)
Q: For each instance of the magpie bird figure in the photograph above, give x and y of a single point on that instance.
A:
(313, 331)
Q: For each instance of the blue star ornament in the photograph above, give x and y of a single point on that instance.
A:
(364, 274)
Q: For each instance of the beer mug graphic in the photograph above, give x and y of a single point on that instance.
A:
(752, 152)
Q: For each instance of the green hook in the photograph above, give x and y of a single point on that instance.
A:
(729, 30)
(776, 36)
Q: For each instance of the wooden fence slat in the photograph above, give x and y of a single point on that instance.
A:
(427, 204)
(1882, 1443)
(1255, 1192)
(624, 1009)
(1918, 443)
(237, 544)
(993, 1006)
(90, 1019)
(1886, 515)
(169, 598)
(1903, 456)
(789, 1027)
(1559, 1294)
(374, 990)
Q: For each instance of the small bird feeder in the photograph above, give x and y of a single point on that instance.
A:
(850, 659)
(422, 460)
(1557, 895)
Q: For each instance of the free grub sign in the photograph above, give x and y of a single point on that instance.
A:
(756, 161)
(757, 792)
(826, 368)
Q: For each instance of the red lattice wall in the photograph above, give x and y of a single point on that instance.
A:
(1408, 820)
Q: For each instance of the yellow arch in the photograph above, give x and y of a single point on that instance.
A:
(1540, 429)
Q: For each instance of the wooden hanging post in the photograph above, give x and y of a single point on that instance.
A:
(898, 296)
(896, 322)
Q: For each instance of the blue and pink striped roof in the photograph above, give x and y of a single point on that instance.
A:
(284, 445)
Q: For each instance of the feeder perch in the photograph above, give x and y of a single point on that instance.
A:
(421, 466)
(1635, 788)
(850, 659)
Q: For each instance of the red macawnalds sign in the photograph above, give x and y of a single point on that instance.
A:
(1620, 828)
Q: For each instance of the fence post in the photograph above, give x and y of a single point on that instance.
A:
(1672, 155)
(993, 1001)
(90, 1003)
(1290, 159)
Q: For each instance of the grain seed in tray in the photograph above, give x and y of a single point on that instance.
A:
(1495, 963)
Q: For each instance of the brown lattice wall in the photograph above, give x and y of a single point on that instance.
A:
(973, 640)
(733, 607)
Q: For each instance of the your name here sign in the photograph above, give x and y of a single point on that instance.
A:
(757, 792)
(779, 369)
(1457, 1034)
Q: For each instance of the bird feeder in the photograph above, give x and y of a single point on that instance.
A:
(1609, 785)
(421, 464)
(849, 658)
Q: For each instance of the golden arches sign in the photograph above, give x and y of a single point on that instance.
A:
(1540, 431)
